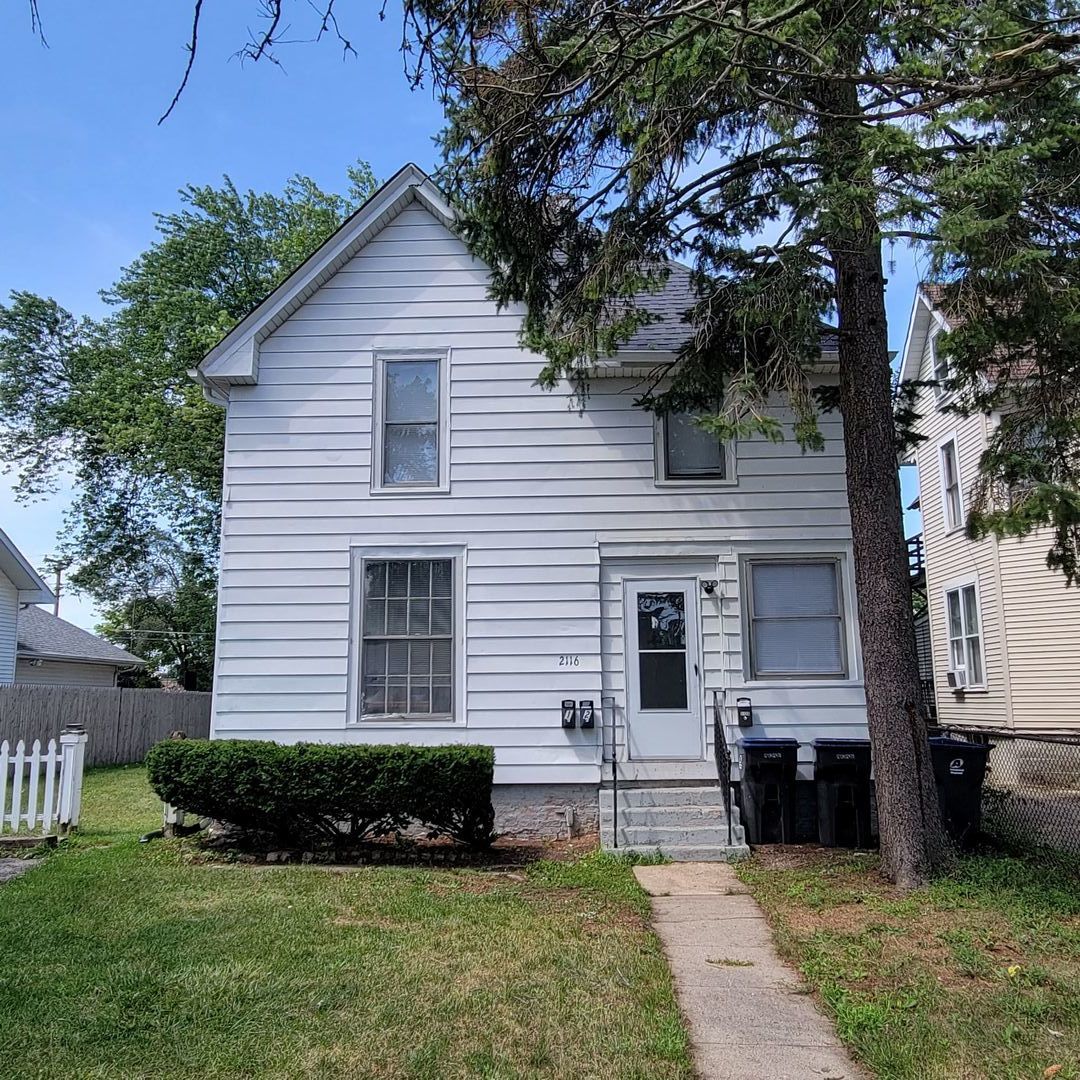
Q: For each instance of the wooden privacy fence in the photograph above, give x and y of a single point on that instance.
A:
(41, 790)
(122, 725)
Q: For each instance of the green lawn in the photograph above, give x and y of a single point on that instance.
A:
(129, 960)
(977, 976)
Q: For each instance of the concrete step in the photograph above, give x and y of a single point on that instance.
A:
(686, 853)
(703, 795)
(652, 836)
(676, 816)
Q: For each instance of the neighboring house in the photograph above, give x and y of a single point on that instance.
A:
(20, 584)
(1005, 629)
(53, 652)
(420, 545)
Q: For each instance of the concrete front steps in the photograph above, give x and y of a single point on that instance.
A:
(685, 824)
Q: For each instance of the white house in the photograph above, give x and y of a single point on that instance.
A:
(420, 545)
(20, 584)
(1005, 630)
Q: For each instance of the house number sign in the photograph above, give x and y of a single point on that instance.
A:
(569, 661)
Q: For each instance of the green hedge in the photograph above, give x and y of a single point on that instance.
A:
(314, 791)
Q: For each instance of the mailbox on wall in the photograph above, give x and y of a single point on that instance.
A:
(587, 714)
(569, 713)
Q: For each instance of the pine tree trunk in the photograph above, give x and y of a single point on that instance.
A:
(912, 842)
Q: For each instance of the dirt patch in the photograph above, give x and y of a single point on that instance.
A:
(253, 849)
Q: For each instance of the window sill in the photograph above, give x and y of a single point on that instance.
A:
(395, 720)
(406, 492)
(954, 530)
(960, 691)
(697, 485)
(799, 682)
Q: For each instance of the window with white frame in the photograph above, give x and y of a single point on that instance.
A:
(795, 612)
(951, 498)
(965, 636)
(410, 441)
(940, 371)
(689, 452)
(407, 639)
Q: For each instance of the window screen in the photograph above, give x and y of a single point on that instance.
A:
(690, 452)
(406, 666)
(796, 619)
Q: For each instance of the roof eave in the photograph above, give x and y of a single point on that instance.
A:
(68, 658)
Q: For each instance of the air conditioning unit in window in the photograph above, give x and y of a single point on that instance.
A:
(957, 678)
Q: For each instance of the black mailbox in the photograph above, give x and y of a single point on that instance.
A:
(569, 713)
(744, 709)
(586, 714)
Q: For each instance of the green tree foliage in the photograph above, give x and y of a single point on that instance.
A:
(109, 403)
(1008, 265)
(776, 146)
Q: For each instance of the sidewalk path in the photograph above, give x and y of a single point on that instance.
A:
(12, 868)
(747, 1012)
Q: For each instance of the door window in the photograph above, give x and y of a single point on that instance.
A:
(661, 624)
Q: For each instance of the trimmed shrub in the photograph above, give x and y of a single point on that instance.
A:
(335, 793)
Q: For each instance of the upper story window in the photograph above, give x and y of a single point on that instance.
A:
(410, 441)
(939, 370)
(689, 453)
(952, 500)
(796, 615)
(965, 638)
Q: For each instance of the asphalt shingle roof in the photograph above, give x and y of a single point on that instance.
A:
(43, 634)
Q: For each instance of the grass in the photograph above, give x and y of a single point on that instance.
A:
(123, 959)
(976, 976)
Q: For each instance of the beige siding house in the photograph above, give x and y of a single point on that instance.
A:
(1005, 630)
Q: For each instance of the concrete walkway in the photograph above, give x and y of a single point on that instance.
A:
(747, 1012)
(12, 868)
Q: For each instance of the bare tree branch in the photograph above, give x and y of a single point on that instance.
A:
(192, 46)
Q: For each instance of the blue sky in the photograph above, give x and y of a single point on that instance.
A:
(87, 165)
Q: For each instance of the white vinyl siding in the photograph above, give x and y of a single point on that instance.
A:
(9, 622)
(537, 491)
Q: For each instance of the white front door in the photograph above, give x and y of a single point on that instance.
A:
(663, 669)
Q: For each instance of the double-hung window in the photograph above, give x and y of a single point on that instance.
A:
(407, 639)
(965, 638)
(690, 453)
(940, 371)
(410, 442)
(951, 496)
(796, 614)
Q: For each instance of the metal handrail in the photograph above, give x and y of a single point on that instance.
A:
(722, 753)
(607, 709)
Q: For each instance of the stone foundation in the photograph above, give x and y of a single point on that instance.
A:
(546, 811)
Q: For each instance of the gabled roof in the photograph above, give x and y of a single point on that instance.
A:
(13, 564)
(44, 636)
(925, 313)
(235, 359)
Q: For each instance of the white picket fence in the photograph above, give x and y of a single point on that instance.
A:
(41, 789)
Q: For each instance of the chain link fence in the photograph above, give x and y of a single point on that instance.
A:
(1031, 797)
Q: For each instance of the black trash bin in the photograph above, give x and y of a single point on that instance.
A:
(768, 789)
(959, 769)
(842, 774)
